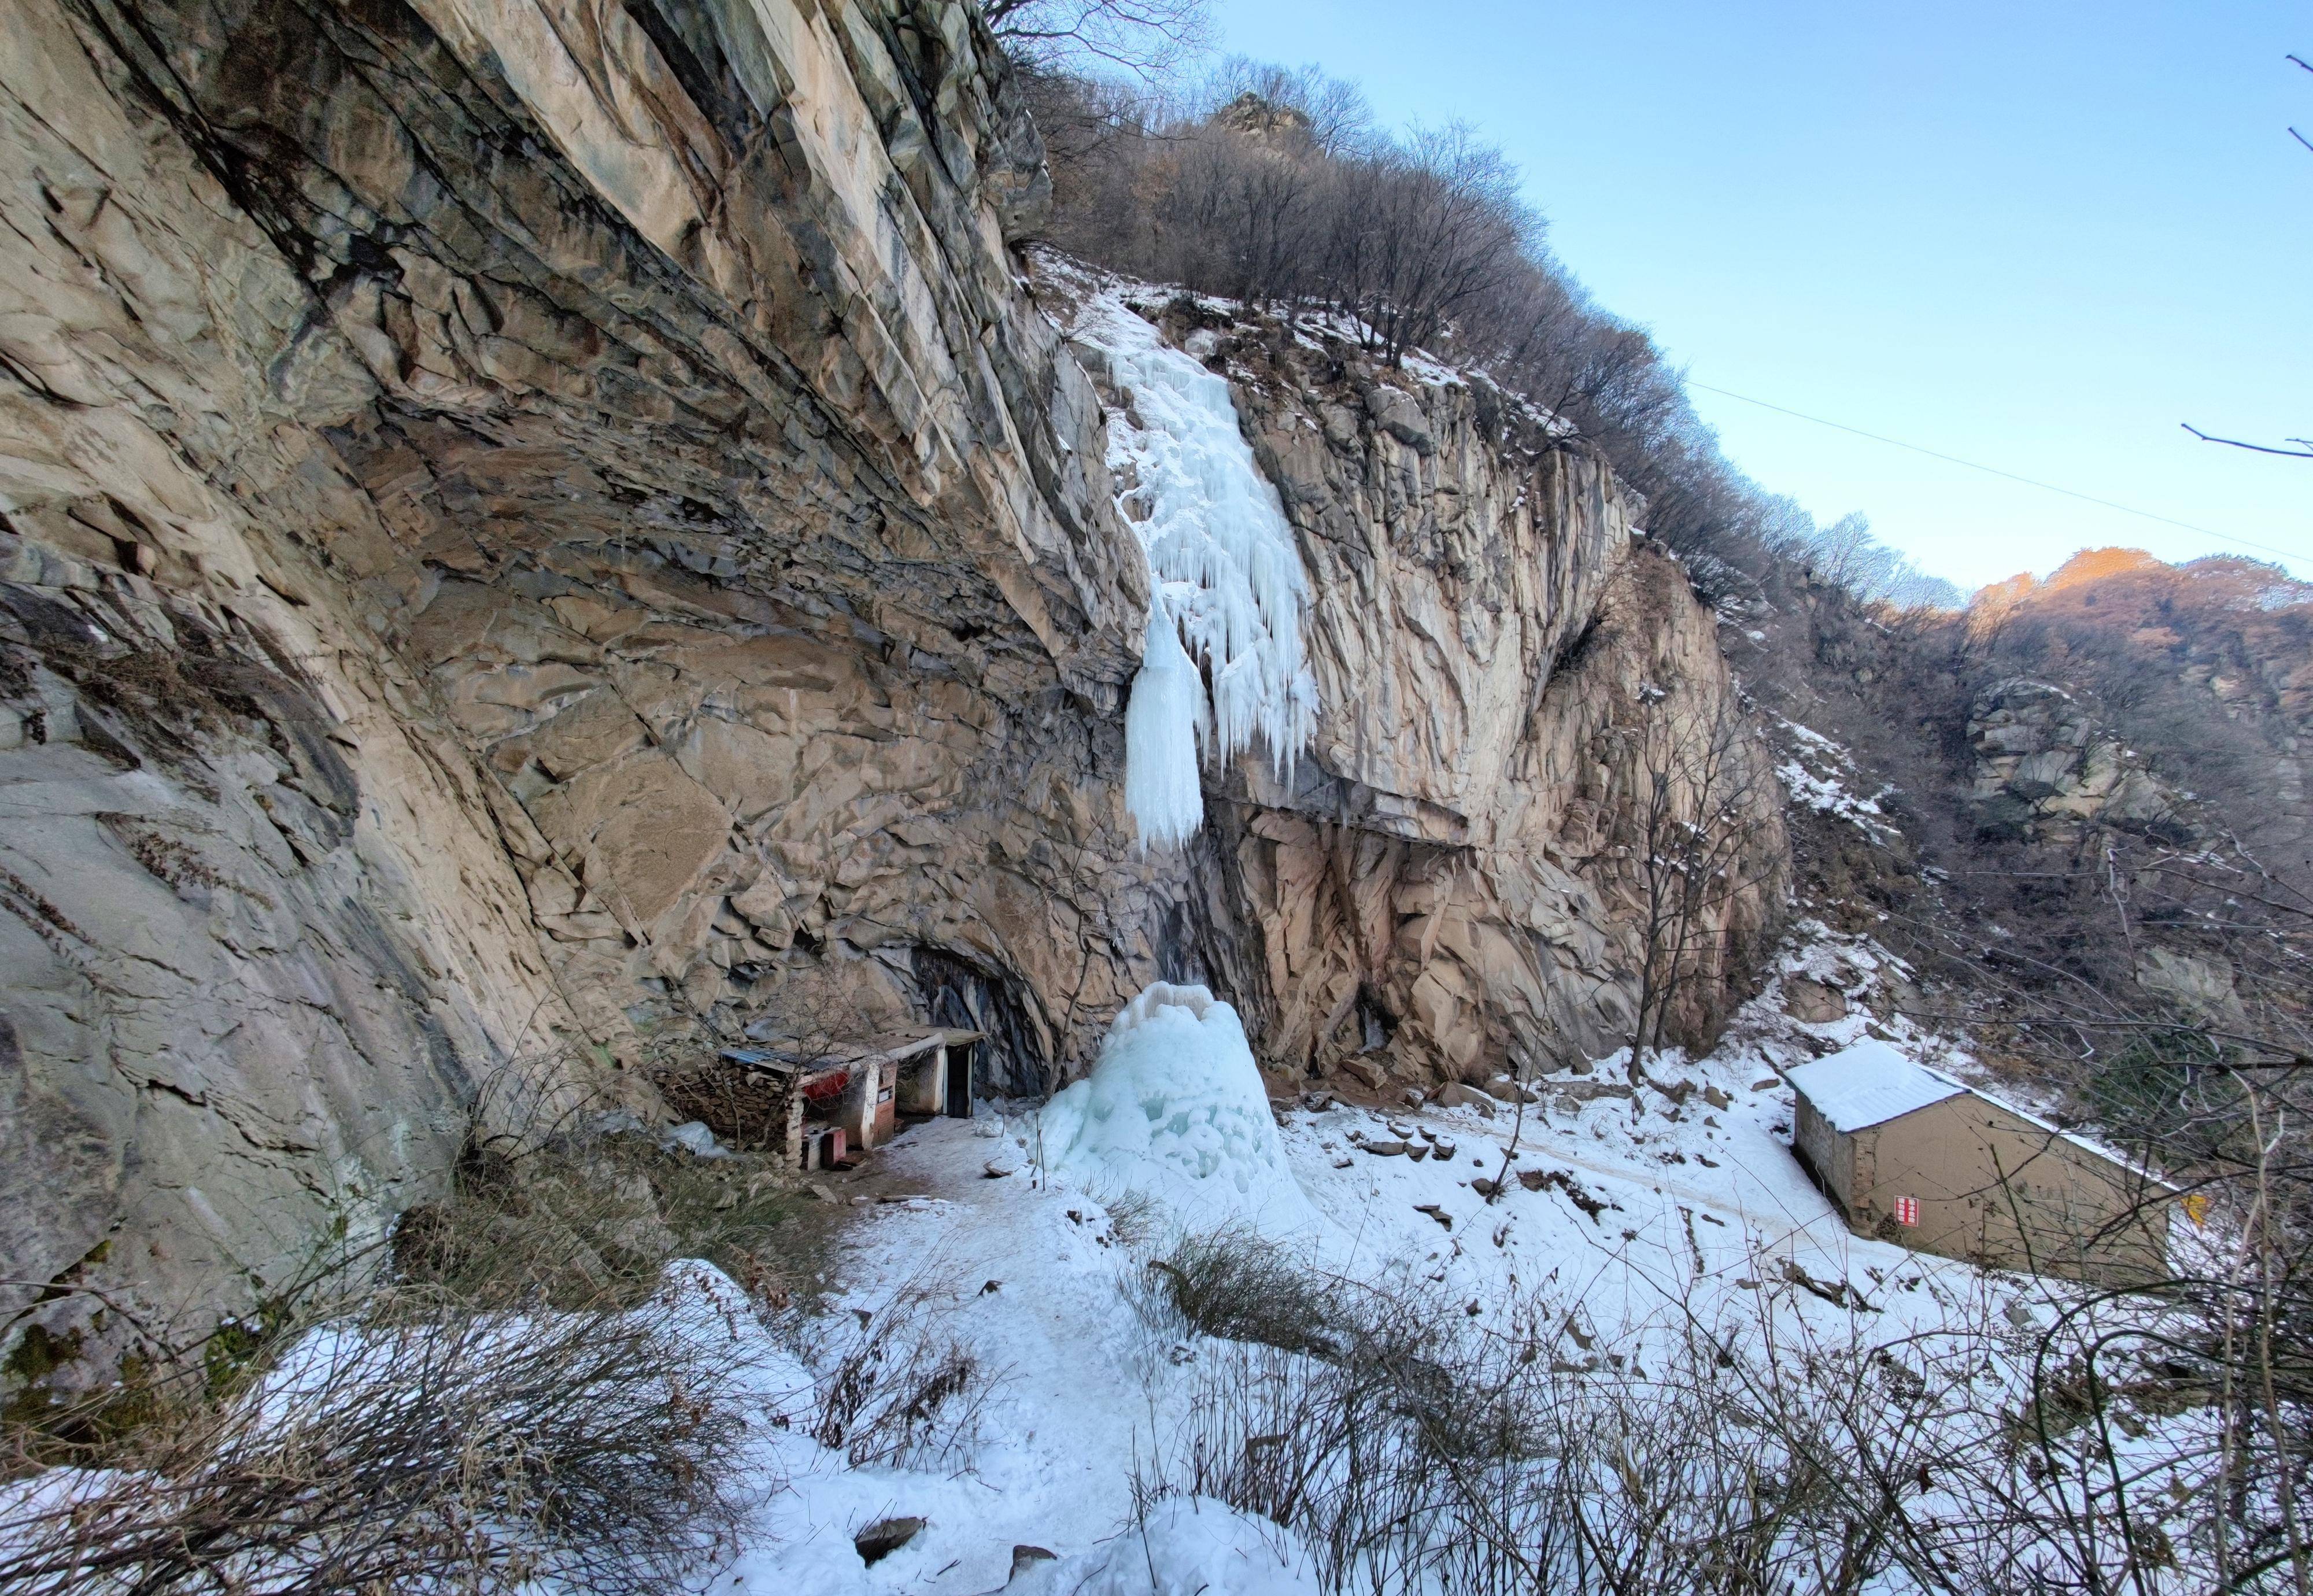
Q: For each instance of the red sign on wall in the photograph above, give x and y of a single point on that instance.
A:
(1907, 1211)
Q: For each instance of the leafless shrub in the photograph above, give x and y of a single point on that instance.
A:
(1133, 1216)
(512, 1386)
(410, 1441)
(900, 1392)
(1236, 1284)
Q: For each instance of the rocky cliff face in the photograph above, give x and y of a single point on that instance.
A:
(542, 531)
(1450, 888)
(2046, 771)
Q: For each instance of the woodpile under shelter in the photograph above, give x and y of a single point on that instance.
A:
(823, 1104)
(1911, 1155)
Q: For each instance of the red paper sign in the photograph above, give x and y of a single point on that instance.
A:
(1907, 1211)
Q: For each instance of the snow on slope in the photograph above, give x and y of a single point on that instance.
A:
(1229, 580)
(1701, 1215)
(1816, 771)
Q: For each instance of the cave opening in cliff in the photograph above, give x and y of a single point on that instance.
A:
(1010, 1059)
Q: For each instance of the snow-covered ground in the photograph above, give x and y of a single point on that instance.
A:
(1019, 1243)
(1695, 1212)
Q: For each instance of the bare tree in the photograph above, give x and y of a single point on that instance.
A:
(2303, 451)
(2303, 447)
(1423, 232)
(1146, 36)
(1693, 855)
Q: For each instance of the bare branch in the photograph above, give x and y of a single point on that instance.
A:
(2304, 450)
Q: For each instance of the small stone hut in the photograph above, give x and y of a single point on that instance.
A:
(1911, 1155)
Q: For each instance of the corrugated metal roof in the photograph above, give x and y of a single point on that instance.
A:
(1869, 1084)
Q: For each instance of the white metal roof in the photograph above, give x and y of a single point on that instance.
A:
(1872, 1083)
(1869, 1084)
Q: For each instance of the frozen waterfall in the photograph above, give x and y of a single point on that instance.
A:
(1227, 583)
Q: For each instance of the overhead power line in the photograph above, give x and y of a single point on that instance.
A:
(1995, 471)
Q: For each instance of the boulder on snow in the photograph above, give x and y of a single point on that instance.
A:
(1813, 1002)
(881, 1539)
(1454, 1094)
(1025, 1558)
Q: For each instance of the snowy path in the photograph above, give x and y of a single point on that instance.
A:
(1051, 1326)
(1088, 1386)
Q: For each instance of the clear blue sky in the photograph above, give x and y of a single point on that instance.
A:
(2035, 233)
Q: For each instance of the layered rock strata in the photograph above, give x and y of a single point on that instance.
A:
(543, 532)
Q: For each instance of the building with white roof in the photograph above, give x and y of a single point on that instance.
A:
(1912, 1156)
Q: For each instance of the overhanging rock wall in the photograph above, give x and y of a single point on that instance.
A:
(538, 531)
(530, 527)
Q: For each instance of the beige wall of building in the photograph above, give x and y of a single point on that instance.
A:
(1992, 1187)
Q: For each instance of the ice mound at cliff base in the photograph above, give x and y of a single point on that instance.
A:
(1174, 1107)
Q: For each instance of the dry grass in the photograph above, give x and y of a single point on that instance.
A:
(510, 1390)
(410, 1439)
(1234, 1284)
(900, 1392)
(1134, 1217)
(1411, 1446)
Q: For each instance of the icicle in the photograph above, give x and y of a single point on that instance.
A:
(1163, 725)
(1229, 580)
